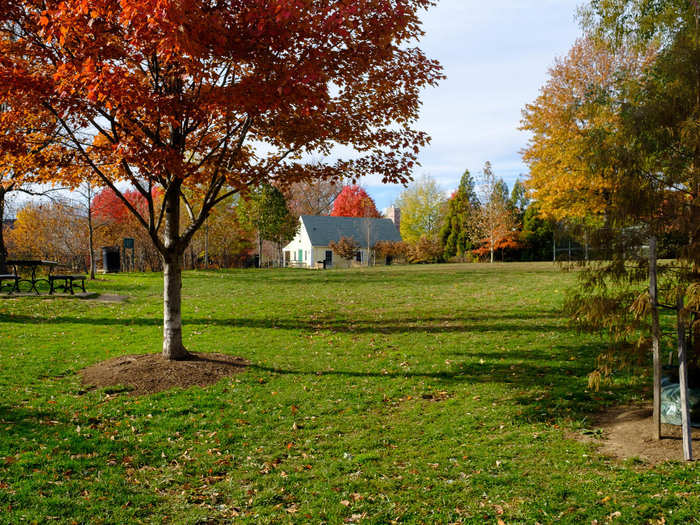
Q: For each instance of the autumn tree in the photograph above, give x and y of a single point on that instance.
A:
(353, 201)
(220, 98)
(422, 207)
(226, 241)
(86, 193)
(497, 224)
(346, 247)
(460, 224)
(391, 249)
(425, 250)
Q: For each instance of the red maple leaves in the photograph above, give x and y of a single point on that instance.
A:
(354, 201)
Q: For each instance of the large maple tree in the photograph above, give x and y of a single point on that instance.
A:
(215, 97)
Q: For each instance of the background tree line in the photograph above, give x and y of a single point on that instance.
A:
(481, 220)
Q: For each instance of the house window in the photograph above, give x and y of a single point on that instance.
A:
(306, 255)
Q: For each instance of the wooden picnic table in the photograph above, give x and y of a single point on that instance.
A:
(34, 264)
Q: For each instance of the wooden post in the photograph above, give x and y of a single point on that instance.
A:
(206, 243)
(683, 380)
(655, 337)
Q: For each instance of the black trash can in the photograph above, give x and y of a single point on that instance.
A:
(111, 261)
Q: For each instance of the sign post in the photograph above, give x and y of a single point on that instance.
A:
(129, 245)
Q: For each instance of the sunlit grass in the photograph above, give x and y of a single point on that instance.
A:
(426, 394)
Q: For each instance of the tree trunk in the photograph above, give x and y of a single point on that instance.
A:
(91, 233)
(3, 249)
(173, 349)
(206, 244)
(655, 337)
(260, 250)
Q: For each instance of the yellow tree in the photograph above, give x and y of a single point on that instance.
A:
(53, 231)
(601, 153)
(568, 121)
(423, 205)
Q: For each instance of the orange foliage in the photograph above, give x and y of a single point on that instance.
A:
(510, 241)
(570, 128)
(181, 95)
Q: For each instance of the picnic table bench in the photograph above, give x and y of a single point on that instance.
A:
(10, 277)
(63, 282)
(67, 282)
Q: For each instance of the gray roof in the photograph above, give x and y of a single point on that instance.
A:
(323, 229)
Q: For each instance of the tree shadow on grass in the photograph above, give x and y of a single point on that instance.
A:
(492, 322)
(543, 393)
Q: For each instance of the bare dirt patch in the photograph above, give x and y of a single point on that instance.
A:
(107, 298)
(626, 432)
(150, 373)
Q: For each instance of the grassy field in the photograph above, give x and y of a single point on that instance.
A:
(426, 394)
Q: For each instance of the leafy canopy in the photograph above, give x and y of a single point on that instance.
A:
(422, 207)
(354, 201)
(178, 93)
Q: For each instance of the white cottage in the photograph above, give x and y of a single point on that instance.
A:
(310, 247)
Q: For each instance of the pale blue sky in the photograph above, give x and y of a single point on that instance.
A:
(496, 55)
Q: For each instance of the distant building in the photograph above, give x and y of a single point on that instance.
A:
(310, 248)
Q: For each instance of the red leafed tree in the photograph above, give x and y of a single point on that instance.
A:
(207, 99)
(353, 201)
(108, 205)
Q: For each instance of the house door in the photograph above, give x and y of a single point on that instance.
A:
(301, 255)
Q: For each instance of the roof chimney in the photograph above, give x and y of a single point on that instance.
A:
(394, 214)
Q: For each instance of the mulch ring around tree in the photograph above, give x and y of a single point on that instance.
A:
(626, 432)
(150, 373)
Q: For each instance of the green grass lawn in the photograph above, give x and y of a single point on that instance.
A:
(424, 394)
